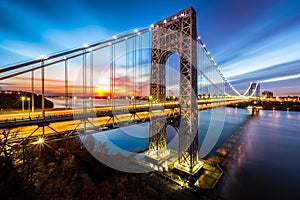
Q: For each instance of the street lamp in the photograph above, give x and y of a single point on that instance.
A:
(174, 99)
(150, 100)
(40, 140)
(28, 99)
(23, 99)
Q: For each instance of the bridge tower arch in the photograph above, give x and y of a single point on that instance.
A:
(176, 34)
(254, 89)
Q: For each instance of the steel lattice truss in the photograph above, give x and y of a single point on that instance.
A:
(176, 34)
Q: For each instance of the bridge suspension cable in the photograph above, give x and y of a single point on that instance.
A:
(18, 69)
(133, 51)
(207, 74)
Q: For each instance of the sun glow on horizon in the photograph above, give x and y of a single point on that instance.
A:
(102, 91)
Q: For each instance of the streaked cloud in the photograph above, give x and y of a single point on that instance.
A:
(281, 78)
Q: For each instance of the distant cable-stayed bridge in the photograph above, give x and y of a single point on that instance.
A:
(154, 74)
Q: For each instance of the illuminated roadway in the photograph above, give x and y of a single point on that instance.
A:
(16, 119)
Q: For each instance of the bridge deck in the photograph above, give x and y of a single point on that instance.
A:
(10, 120)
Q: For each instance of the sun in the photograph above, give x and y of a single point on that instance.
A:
(102, 91)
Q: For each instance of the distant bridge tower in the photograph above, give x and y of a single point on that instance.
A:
(254, 89)
(176, 34)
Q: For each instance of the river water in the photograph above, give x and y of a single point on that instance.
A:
(266, 165)
(215, 127)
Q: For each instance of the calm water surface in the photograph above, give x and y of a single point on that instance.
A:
(267, 165)
(215, 127)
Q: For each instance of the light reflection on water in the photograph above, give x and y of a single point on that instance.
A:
(268, 162)
(135, 138)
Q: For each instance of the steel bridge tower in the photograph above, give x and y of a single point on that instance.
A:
(175, 34)
(254, 87)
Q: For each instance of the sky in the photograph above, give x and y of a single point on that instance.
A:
(250, 40)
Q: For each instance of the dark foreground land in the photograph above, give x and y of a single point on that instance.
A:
(64, 169)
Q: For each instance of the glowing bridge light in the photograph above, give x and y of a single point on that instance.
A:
(43, 57)
(199, 37)
(136, 30)
(182, 15)
(40, 140)
(152, 25)
(165, 21)
(203, 46)
(208, 53)
(175, 17)
(115, 37)
(65, 58)
(126, 38)
(85, 45)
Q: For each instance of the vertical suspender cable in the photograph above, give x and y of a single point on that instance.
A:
(83, 79)
(114, 74)
(134, 69)
(150, 71)
(168, 77)
(127, 75)
(84, 86)
(43, 95)
(111, 75)
(140, 66)
(205, 72)
(172, 74)
(32, 91)
(92, 78)
(66, 84)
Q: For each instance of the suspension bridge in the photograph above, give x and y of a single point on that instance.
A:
(156, 74)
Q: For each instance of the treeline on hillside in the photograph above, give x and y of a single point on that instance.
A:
(13, 100)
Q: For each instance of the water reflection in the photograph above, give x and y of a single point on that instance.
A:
(215, 127)
(265, 159)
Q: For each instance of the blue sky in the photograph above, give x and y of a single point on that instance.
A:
(251, 40)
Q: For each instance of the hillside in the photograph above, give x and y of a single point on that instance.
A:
(13, 100)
